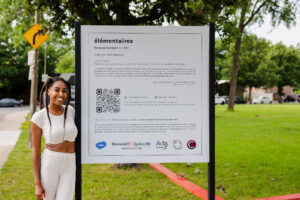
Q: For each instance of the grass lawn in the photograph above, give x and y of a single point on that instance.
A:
(98, 181)
(257, 155)
(257, 152)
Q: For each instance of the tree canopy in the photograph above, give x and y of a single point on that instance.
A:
(16, 19)
(64, 13)
(66, 63)
(283, 67)
(244, 13)
(253, 56)
(262, 64)
(231, 17)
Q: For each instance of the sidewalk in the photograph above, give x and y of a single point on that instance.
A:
(10, 125)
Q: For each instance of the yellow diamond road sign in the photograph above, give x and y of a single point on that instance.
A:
(36, 36)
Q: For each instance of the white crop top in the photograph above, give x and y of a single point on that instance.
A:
(58, 133)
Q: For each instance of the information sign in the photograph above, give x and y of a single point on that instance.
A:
(144, 94)
(44, 77)
(31, 72)
(30, 60)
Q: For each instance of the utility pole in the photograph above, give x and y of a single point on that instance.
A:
(34, 82)
(45, 58)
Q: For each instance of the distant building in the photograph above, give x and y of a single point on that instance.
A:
(223, 86)
(272, 93)
(222, 89)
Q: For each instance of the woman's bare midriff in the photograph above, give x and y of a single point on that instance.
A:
(64, 147)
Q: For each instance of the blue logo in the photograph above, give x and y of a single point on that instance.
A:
(101, 145)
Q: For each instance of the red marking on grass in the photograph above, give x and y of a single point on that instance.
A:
(202, 193)
(183, 182)
(284, 197)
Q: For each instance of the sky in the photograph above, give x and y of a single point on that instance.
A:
(280, 33)
(288, 36)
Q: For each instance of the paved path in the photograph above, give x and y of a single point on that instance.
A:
(10, 124)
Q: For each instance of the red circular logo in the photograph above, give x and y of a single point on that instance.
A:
(191, 144)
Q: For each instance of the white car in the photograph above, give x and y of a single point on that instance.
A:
(220, 100)
(261, 99)
(217, 100)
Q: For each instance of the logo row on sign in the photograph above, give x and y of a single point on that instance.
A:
(160, 144)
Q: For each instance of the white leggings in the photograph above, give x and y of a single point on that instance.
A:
(58, 175)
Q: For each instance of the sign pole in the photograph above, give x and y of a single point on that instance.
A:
(211, 164)
(34, 82)
(45, 59)
(78, 109)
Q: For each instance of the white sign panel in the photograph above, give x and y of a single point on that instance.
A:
(144, 94)
(30, 60)
(44, 77)
(31, 72)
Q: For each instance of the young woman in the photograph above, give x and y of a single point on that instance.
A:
(54, 171)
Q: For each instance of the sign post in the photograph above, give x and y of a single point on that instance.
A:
(144, 95)
(78, 179)
(36, 36)
(211, 164)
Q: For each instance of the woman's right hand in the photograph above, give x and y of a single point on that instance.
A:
(40, 192)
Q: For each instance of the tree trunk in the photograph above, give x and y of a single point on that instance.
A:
(236, 55)
(250, 97)
(122, 12)
(234, 72)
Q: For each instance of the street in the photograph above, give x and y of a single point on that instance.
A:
(6, 110)
(10, 124)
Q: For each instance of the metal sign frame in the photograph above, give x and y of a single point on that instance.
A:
(211, 164)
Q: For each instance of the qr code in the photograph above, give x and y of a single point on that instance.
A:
(108, 100)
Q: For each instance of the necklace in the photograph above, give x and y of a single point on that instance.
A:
(56, 111)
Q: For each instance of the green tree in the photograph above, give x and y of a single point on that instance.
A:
(283, 67)
(63, 13)
(220, 59)
(13, 51)
(16, 18)
(223, 59)
(202, 12)
(222, 63)
(66, 63)
(232, 18)
(235, 17)
(245, 13)
(250, 12)
(253, 58)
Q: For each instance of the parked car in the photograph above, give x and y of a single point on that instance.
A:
(288, 98)
(239, 100)
(221, 100)
(9, 102)
(217, 100)
(261, 99)
(224, 99)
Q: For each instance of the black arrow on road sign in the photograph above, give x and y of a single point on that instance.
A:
(37, 33)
